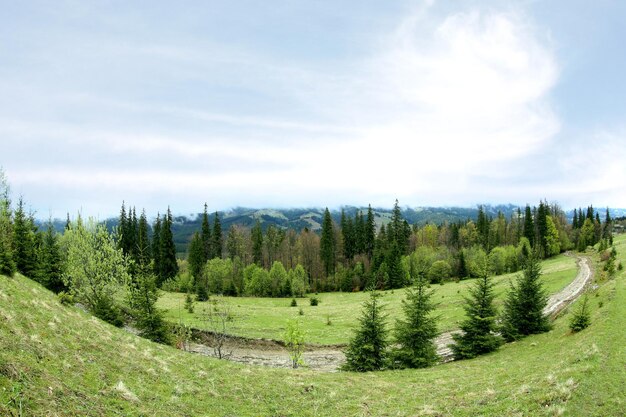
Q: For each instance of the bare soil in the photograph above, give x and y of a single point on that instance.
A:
(272, 353)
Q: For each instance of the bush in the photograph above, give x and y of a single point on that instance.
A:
(180, 283)
(294, 303)
(314, 301)
(439, 271)
(107, 311)
(65, 298)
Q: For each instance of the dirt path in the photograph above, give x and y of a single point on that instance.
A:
(330, 358)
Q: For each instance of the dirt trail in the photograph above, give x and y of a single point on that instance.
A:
(330, 358)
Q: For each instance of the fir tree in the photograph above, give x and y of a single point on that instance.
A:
(359, 232)
(156, 249)
(479, 328)
(216, 238)
(581, 319)
(143, 241)
(370, 233)
(607, 230)
(368, 348)
(575, 220)
(143, 294)
(195, 257)
(257, 244)
(529, 226)
(23, 240)
(394, 267)
(52, 266)
(462, 265)
(169, 266)
(206, 235)
(523, 307)
(415, 334)
(542, 230)
(122, 230)
(348, 233)
(581, 218)
(328, 244)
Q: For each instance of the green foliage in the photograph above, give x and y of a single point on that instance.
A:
(7, 264)
(478, 330)
(581, 319)
(217, 240)
(51, 264)
(299, 282)
(260, 283)
(219, 274)
(96, 270)
(182, 282)
(294, 342)
(65, 298)
(439, 271)
(496, 261)
(279, 280)
(205, 234)
(476, 261)
(314, 301)
(293, 303)
(189, 304)
(552, 238)
(415, 333)
(257, 244)
(367, 349)
(523, 307)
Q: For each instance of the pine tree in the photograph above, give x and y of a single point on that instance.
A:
(607, 230)
(216, 238)
(462, 265)
(368, 348)
(23, 240)
(257, 244)
(482, 224)
(542, 230)
(394, 267)
(156, 248)
(52, 266)
(122, 230)
(348, 233)
(206, 235)
(581, 218)
(195, 257)
(169, 266)
(529, 226)
(359, 232)
(328, 244)
(143, 295)
(575, 220)
(523, 307)
(370, 233)
(479, 328)
(143, 241)
(415, 334)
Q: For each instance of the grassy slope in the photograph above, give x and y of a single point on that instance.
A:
(267, 317)
(59, 361)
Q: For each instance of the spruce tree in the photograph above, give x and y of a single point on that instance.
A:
(416, 332)
(575, 220)
(542, 230)
(359, 232)
(370, 233)
(122, 230)
(143, 295)
(607, 230)
(169, 266)
(52, 266)
(394, 267)
(206, 235)
(462, 265)
(328, 244)
(143, 241)
(217, 240)
(478, 334)
(349, 238)
(367, 350)
(156, 248)
(23, 240)
(195, 256)
(257, 243)
(529, 226)
(523, 307)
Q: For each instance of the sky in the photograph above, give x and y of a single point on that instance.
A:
(311, 104)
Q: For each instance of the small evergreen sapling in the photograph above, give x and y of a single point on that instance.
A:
(581, 318)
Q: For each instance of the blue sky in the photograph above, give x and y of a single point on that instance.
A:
(324, 103)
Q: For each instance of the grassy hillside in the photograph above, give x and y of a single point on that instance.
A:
(267, 317)
(57, 360)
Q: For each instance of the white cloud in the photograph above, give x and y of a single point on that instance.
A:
(442, 101)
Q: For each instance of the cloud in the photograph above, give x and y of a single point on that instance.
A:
(438, 107)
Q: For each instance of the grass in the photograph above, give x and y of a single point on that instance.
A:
(267, 317)
(58, 360)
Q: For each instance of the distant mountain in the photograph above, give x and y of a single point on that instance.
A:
(184, 226)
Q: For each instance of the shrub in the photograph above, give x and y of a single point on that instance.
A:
(180, 283)
(294, 303)
(314, 301)
(65, 298)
